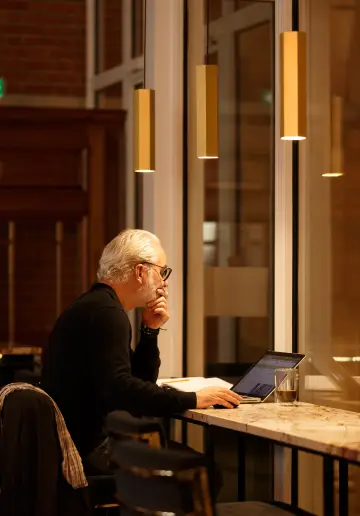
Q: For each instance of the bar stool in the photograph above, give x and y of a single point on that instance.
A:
(170, 481)
(121, 425)
(103, 493)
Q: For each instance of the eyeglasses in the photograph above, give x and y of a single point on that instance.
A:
(165, 271)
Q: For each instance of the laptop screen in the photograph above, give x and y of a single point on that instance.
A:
(259, 381)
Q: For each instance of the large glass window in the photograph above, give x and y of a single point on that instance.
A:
(137, 21)
(109, 34)
(238, 196)
(110, 97)
(215, 9)
(330, 214)
(118, 49)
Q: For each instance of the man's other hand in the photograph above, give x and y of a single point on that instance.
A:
(210, 396)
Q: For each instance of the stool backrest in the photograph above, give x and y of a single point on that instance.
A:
(150, 481)
(121, 425)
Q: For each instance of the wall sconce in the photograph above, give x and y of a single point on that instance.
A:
(144, 130)
(337, 153)
(293, 85)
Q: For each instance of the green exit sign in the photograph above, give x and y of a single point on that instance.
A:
(2, 87)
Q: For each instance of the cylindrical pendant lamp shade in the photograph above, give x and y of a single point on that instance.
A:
(207, 111)
(144, 130)
(337, 158)
(293, 85)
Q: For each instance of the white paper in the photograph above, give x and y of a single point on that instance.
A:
(193, 384)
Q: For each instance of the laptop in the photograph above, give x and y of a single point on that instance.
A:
(258, 383)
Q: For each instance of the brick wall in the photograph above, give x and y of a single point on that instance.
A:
(42, 47)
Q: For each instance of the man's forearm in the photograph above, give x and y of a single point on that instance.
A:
(145, 361)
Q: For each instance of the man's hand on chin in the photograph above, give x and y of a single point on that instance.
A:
(156, 313)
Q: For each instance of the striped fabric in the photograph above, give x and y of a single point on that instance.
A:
(71, 465)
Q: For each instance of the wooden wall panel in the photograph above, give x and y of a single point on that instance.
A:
(62, 188)
(96, 198)
(4, 282)
(35, 281)
(15, 135)
(32, 167)
(42, 201)
(72, 261)
(115, 191)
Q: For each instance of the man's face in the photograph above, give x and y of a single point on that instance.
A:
(154, 280)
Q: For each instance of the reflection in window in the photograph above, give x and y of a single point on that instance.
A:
(209, 246)
(238, 191)
(330, 211)
(209, 232)
(332, 260)
(4, 281)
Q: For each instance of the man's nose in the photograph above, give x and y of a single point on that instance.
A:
(166, 283)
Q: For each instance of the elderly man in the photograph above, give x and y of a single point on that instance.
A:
(89, 368)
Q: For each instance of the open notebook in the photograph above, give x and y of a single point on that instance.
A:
(193, 384)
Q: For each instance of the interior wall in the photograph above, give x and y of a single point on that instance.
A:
(43, 52)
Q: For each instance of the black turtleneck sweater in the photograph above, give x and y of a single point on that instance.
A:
(89, 368)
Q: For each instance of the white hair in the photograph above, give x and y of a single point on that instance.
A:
(128, 248)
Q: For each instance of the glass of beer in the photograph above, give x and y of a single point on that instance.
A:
(287, 385)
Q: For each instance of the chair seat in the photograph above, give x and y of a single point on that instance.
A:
(249, 509)
(102, 489)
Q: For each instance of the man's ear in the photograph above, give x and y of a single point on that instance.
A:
(139, 273)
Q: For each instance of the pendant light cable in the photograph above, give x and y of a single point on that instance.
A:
(144, 43)
(207, 21)
(207, 97)
(144, 116)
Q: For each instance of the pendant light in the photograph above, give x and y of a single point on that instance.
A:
(207, 104)
(293, 85)
(144, 122)
(337, 155)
